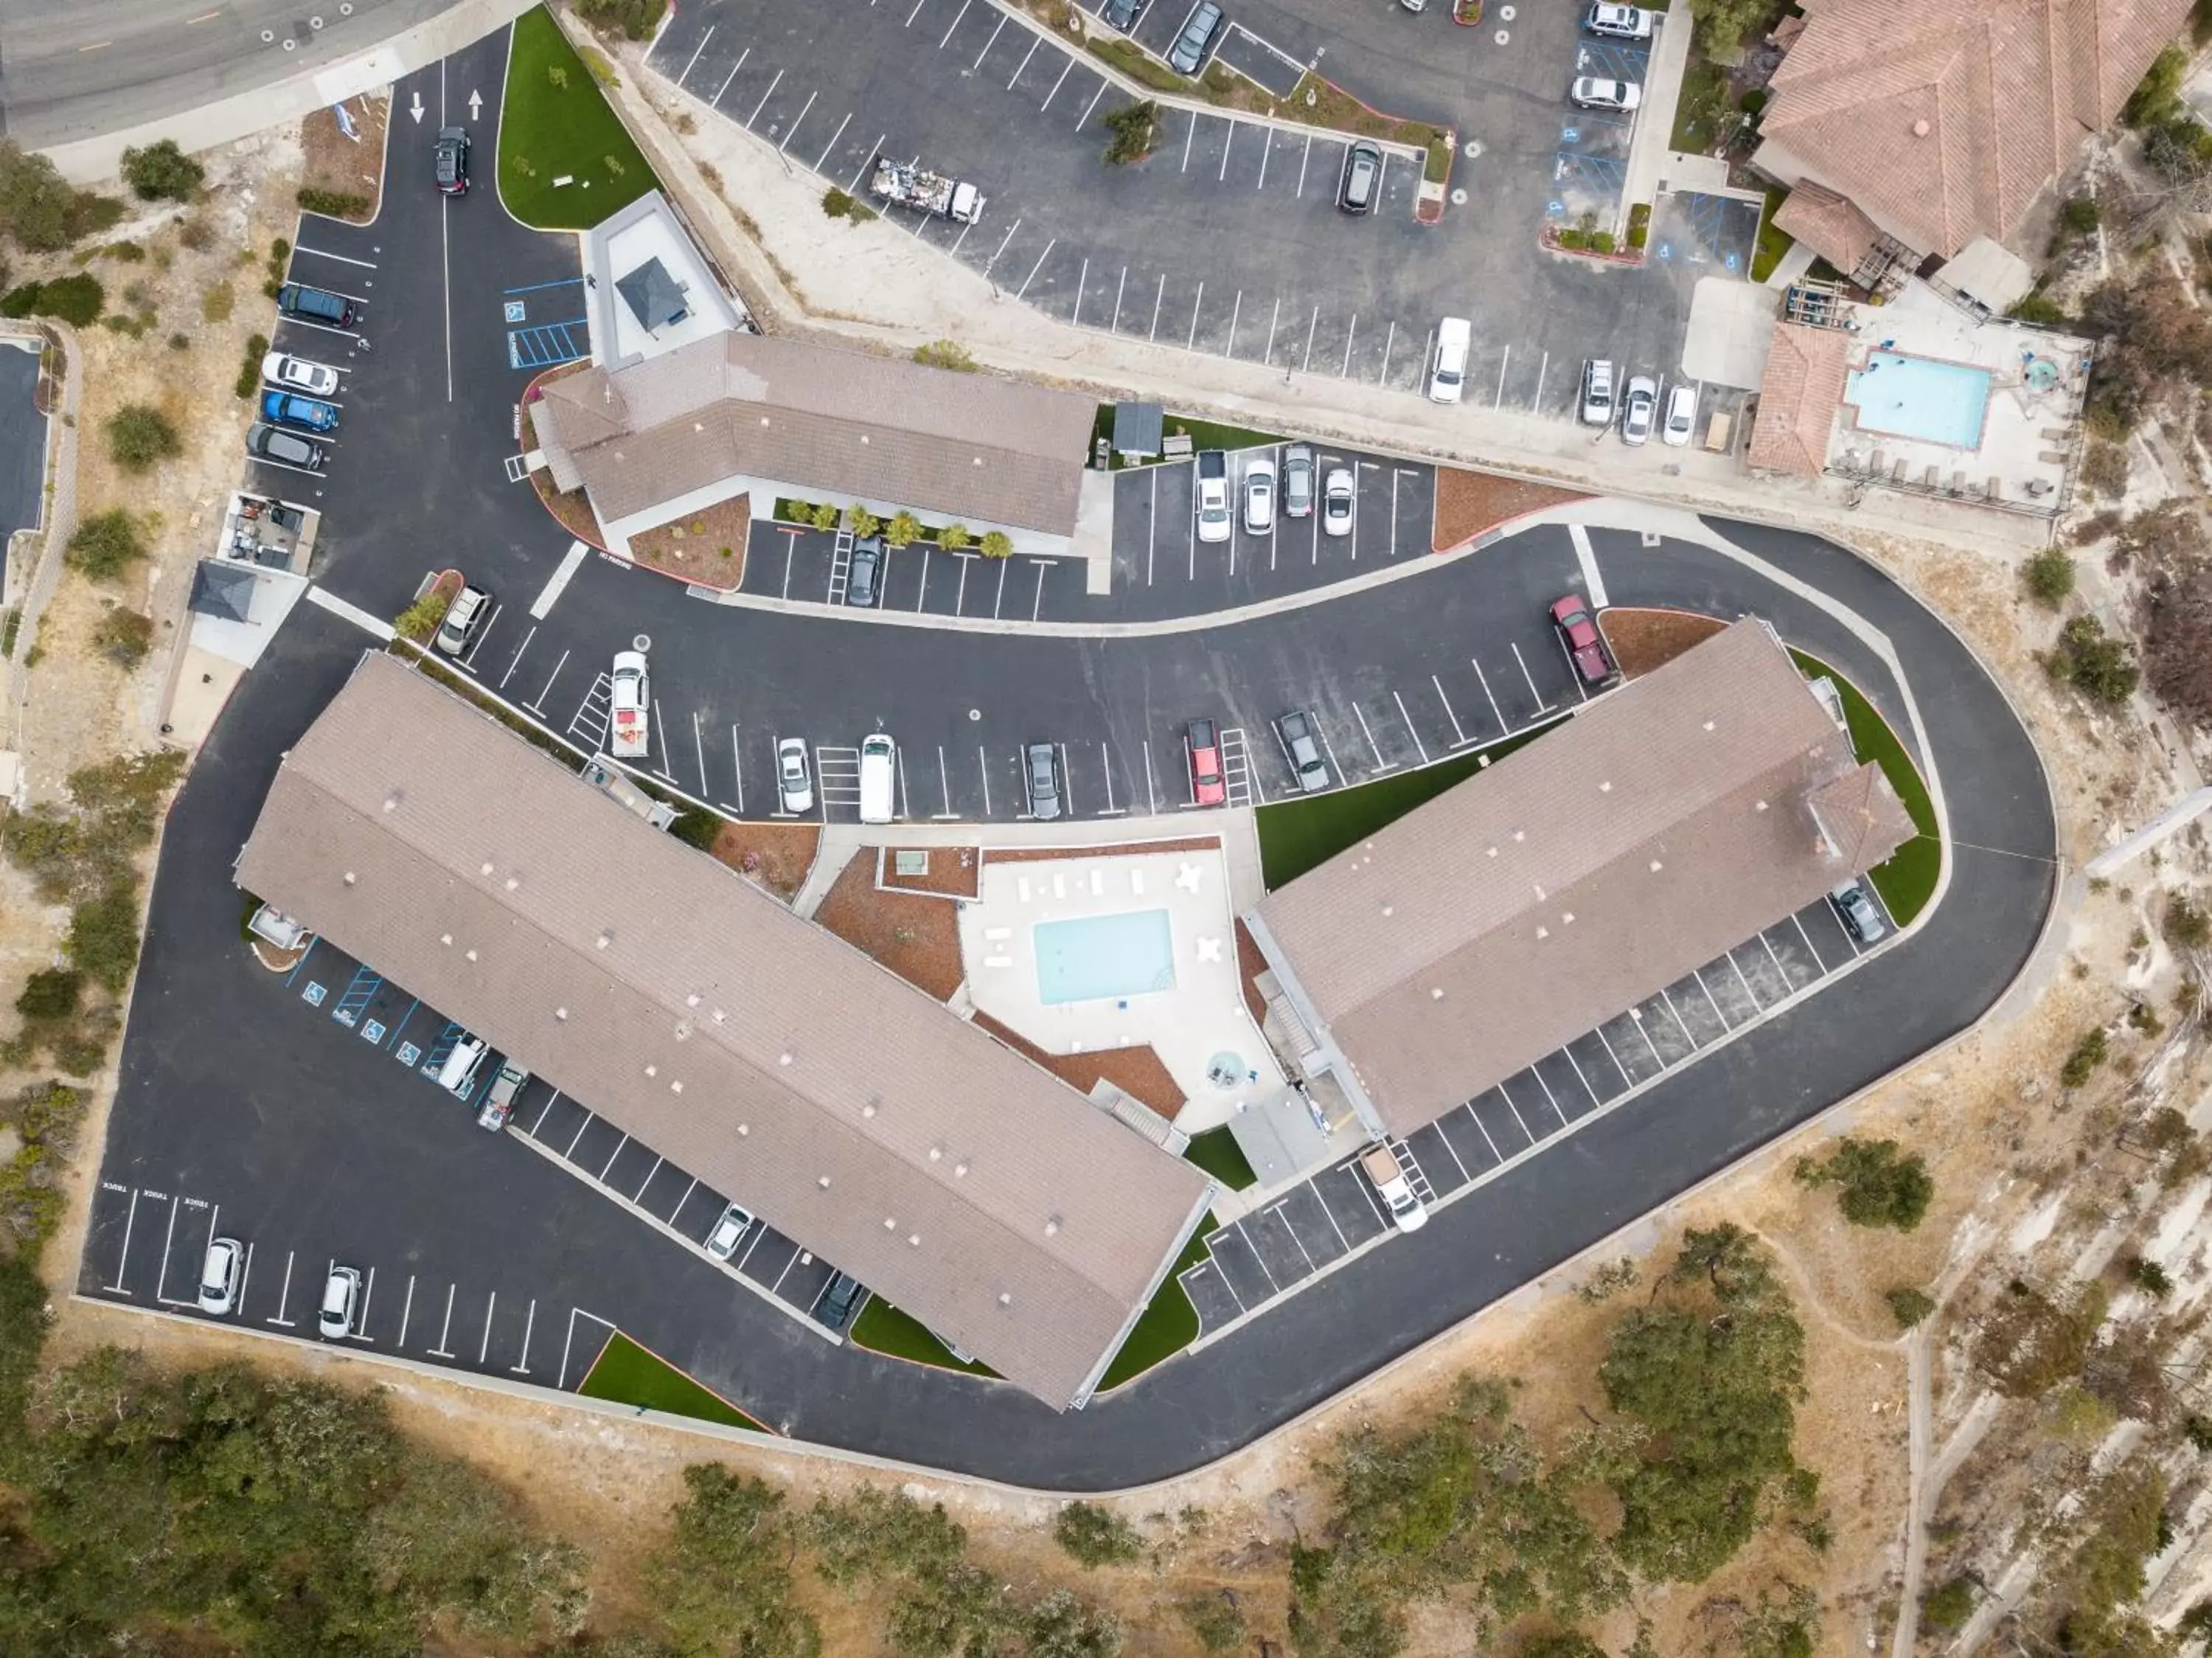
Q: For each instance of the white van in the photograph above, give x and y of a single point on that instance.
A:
(1448, 368)
(459, 1069)
(878, 780)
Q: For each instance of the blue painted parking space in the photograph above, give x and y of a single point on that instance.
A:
(546, 344)
(1690, 227)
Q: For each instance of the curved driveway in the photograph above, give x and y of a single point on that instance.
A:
(320, 1133)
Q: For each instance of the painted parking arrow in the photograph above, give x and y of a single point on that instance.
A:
(476, 104)
(416, 110)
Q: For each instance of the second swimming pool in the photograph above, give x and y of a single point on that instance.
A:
(1918, 397)
(1091, 958)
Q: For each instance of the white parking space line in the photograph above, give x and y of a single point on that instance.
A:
(1542, 707)
(1106, 765)
(244, 1278)
(1025, 64)
(1276, 1209)
(342, 258)
(1636, 1018)
(1092, 105)
(1729, 956)
(588, 1120)
(529, 1324)
(987, 45)
(715, 102)
(1714, 1005)
(1113, 322)
(1452, 1152)
(1328, 1214)
(284, 1299)
(406, 1311)
(944, 785)
(1593, 584)
(161, 1278)
(1541, 366)
(916, 12)
(446, 1329)
(839, 133)
(1266, 146)
(1577, 1067)
(1599, 1030)
(1549, 1095)
(1189, 133)
(1807, 937)
(1228, 139)
(538, 707)
(737, 763)
(1498, 397)
(1329, 749)
(1372, 747)
(130, 1220)
(984, 764)
(963, 12)
(1157, 298)
(1036, 605)
(612, 1155)
(484, 1346)
(789, 130)
(368, 1294)
(1776, 960)
(1191, 345)
(1469, 1109)
(874, 151)
(1408, 719)
(1516, 1110)
(1681, 1024)
(551, 1100)
(694, 60)
(764, 97)
(1458, 736)
(575, 1313)
(1304, 155)
(698, 745)
(1038, 267)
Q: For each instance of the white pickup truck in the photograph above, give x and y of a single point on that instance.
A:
(912, 185)
(630, 707)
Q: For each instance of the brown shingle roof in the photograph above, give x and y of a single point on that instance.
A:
(1798, 398)
(1828, 224)
(1944, 119)
(1530, 904)
(739, 405)
(701, 1017)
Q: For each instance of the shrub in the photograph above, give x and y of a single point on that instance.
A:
(1875, 1183)
(633, 20)
(161, 169)
(218, 302)
(124, 637)
(2079, 215)
(2088, 1053)
(2148, 1276)
(1639, 224)
(2100, 668)
(180, 341)
(2104, 469)
(76, 300)
(842, 205)
(861, 520)
(196, 234)
(996, 544)
(613, 165)
(1753, 101)
(953, 537)
(103, 937)
(903, 531)
(2197, 1430)
(2157, 100)
(52, 994)
(1601, 241)
(2040, 309)
(556, 77)
(697, 828)
(1134, 127)
(2185, 926)
(333, 204)
(420, 619)
(2049, 577)
(122, 252)
(1909, 1307)
(1215, 1619)
(106, 544)
(140, 437)
(826, 516)
(946, 353)
(1948, 1607)
(38, 208)
(249, 370)
(1092, 1536)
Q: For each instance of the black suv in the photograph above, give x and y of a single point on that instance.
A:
(453, 161)
(297, 299)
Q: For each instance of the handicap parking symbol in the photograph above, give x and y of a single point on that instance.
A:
(1730, 260)
(1570, 134)
(372, 1032)
(1555, 209)
(408, 1053)
(1666, 250)
(516, 310)
(313, 995)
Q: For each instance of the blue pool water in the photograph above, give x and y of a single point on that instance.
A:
(1918, 397)
(1092, 958)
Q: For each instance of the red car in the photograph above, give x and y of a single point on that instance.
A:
(1585, 647)
(1204, 743)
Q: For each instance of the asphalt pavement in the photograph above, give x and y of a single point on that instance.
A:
(23, 446)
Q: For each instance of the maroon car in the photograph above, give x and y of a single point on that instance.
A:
(1585, 646)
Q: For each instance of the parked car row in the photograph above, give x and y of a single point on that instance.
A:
(1291, 485)
(1638, 409)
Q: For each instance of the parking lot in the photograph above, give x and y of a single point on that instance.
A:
(329, 256)
(1279, 1246)
(1226, 239)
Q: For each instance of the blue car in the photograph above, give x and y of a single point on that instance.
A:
(309, 414)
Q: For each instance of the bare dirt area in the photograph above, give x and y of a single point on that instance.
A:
(1641, 640)
(951, 871)
(571, 510)
(1469, 503)
(347, 173)
(707, 549)
(1060, 854)
(773, 856)
(917, 938)
(1136, 1071)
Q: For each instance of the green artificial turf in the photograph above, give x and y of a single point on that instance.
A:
(547, 131)
(1908, 880)
(627, 1373)
(1773, 241)
(1215, 1152)
(1169, 1324)
(1298, 833)
(882, 1328)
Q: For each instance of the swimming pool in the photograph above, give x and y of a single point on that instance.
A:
(1918, 397)
(1092, 958)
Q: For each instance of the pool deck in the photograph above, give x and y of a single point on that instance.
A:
(1203, 1016)
(2028, 436)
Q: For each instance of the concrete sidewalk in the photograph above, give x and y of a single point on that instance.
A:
(1647, 151)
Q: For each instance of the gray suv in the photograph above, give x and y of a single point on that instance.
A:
(1041, 773)
(1196, 40)
(1302, 748)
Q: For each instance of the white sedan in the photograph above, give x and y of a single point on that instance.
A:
(1638, 409)
(1681, 416)
(219, 1276)
(297, 373)
(793, 781)
(1260, 498)
(1336, 499)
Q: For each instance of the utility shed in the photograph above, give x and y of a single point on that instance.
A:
(1662, 826)
(699, 1017)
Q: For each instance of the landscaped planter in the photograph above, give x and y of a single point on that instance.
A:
(1619, 256)
(1468, 12)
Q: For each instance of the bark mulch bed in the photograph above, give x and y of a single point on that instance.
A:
(917, 938)
(572, 510)
(337, 166)
(1055, 854)
(954, 871)
(1136, 1071)
(1250, 964)
(773, 856)
(1644, 639)
(705, 548)
(1469, 503)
